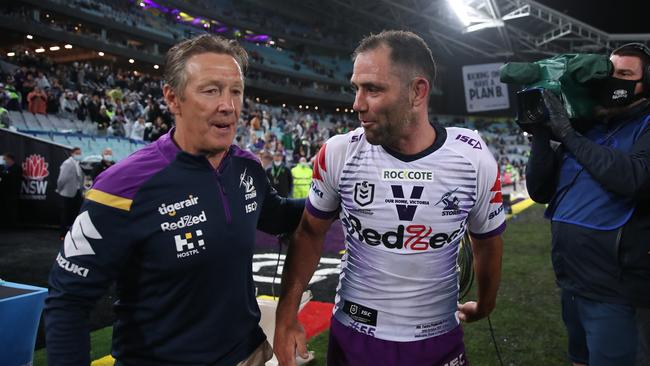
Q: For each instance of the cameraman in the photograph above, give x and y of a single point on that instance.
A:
(597, 184)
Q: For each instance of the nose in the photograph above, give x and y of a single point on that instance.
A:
(360, 104)
(226, 103)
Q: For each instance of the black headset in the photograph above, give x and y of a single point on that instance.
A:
(640, 47)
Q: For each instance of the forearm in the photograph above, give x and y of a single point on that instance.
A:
(301, 262)
(624, 173)
(541, 170)
(66, 332)
(487, 268)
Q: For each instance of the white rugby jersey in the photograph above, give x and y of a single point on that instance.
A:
(404, 217)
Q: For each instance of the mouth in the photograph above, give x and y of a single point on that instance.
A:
(365, 124)
(221, 126)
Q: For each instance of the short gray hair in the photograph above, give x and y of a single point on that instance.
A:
(177, 56)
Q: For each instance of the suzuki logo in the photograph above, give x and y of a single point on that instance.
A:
(406, 212)
(76, 240)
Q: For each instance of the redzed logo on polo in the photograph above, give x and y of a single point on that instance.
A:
(35, 167)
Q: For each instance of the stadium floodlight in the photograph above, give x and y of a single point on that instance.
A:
(338, 109)
(461, 10)
(55, 48)
(11, 54)
(472, 15)
(156, 67)
(131, 60)
(100, 53)
(68, 46)
(29, 36)
(284, 105)
(316, 107)
(39, 50)
(300, 106)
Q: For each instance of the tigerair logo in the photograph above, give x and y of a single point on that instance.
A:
(170, 209)
(76, 243)
(34, 184)
(185, 244)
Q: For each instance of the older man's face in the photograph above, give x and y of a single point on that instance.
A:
(211, 103)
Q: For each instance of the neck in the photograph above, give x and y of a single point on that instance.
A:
(415, 137)
(185, 142)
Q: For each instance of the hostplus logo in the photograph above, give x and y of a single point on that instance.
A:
(406, 206)
(450, 202)
(185, 244)
(34, 184)
(170, 209)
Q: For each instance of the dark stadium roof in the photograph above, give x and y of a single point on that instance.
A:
(531, 28)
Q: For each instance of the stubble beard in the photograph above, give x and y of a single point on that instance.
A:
(393, 128)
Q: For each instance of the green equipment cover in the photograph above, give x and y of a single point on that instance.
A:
(567, 75)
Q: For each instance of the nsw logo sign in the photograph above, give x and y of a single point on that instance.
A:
(34, 185)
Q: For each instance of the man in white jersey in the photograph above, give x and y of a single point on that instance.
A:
(406, 191)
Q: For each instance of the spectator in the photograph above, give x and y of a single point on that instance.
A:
(301, 175)
(68, 185)
(137, 130)
(69, 105)
(106, 162)
(37, 101)
(280, 176)
(10, 178)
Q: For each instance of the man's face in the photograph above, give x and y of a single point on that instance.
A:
(628, 68)
(209, 109)
(381, 97)
(277, 158)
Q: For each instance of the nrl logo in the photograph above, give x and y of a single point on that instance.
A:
(364, 193)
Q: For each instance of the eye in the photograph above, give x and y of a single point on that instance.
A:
(211, 91)
(237, 92)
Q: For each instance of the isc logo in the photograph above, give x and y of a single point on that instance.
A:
(470, 141)
(250, 207)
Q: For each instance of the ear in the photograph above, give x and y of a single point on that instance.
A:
(419, 91)
(172, 100)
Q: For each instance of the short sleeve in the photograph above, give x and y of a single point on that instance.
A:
(487, 218)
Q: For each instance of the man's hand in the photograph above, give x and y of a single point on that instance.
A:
(289, 339)
(471, 312)
(558, 118)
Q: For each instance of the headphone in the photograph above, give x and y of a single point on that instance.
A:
(639, 47)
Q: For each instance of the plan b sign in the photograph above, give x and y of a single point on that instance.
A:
(483, 90)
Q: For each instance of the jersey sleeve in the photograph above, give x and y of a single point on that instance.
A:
(93, 253)
(487, 218)
(324, 199)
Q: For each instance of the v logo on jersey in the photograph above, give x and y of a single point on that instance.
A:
(76, 240)
(406, 212)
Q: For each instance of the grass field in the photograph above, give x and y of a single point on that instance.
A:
(527, 321)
